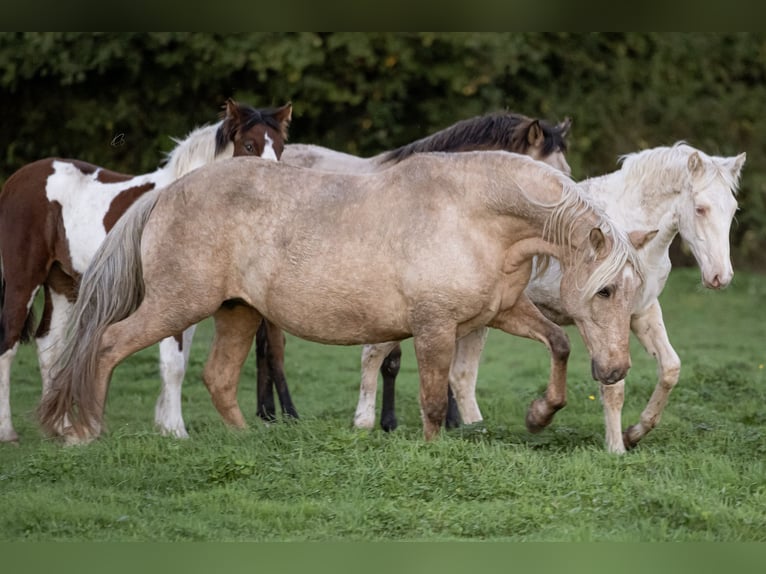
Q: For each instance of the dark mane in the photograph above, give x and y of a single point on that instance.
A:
(500, 131)
(248, 117)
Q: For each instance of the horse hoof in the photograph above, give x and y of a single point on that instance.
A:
(629, 438)
(535, 421)
(389, 424)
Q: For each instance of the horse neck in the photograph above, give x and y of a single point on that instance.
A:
(196, 150)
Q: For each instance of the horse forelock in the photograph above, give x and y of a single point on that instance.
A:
(500, 131)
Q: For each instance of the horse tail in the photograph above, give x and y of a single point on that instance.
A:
(111, 289)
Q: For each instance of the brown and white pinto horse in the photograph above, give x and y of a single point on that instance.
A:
(54, 214)
(509, 131)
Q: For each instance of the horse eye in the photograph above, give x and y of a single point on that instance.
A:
(699, 210)
(249, 147)
(606, 292)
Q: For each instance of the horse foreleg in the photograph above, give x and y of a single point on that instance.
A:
(389, 371)
(7, 432)
(434, 349)
(612, 398)
(235, 328)
(372, 359)
(650, 330)
(50, 336)
(464, 373)
(526, 320)
(174, 358)
(275, 355)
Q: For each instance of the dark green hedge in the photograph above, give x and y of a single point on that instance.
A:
(70, 94)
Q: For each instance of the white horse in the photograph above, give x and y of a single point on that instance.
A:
(675, 190)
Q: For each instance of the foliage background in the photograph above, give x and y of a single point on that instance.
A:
(72, 94)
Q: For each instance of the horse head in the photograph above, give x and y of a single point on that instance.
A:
(258, 132)
(546, 142)
(599, 285)
(708, 207)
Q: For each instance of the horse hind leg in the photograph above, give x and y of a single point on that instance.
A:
(265, 409)
(372, 359)
(389, 371)
(235, 328)
(275, 355)
(174, 358)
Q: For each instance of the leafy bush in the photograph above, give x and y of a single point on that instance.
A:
(73, 94)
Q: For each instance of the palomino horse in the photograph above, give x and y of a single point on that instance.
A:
(54, 213)
(507, 131)
(301, 248)
(675, 190)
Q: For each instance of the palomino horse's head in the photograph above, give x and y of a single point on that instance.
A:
(547, 143)
(255, 132)
(599, 284)
(707, 209)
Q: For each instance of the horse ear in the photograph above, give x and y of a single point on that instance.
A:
(640, 238)
(564, 126)
(597, 241)
(535, 135)
(232, 109)
(284, 116)
(695, 163)
(739, 161)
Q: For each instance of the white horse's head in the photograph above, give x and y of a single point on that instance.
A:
(706, 214)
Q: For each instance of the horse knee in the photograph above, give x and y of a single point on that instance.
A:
(559, 344)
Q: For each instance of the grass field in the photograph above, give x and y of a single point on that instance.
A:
(700, 476)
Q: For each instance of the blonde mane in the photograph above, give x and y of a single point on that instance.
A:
(559, 229)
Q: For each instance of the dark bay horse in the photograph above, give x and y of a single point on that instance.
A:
(54, 213)
(258, 240)
(509, 131)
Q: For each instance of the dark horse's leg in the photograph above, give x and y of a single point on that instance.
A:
(453, 415)
(390, 369)
(270, 354)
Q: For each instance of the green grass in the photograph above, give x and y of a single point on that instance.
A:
(699, 476)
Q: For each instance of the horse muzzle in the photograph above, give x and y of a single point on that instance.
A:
(609, 375)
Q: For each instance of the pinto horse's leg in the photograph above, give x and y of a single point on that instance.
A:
(526, 320)
(174, 358)
(235, 328)
(264, 384)
(464, 373)
(372, 359)
(434, 348)
(650, 330)
(389, 371)
(275, 354)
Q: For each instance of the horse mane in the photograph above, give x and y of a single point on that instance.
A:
(197, 148)
(560, 226)
(499, 131)
(664, 161)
